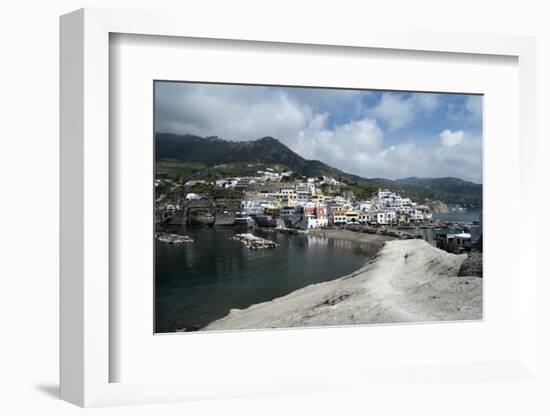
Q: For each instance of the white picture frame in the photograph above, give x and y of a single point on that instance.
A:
(85, 165)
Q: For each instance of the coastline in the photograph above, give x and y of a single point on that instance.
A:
(407, 281)
(371, 244)
(377, 240)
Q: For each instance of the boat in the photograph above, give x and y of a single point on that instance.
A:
(244, 220)
(201, 217)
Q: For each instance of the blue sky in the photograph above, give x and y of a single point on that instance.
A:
(369, 133)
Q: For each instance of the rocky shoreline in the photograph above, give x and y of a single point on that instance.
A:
(407, 281)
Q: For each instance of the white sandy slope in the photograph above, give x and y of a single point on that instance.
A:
(408, 281)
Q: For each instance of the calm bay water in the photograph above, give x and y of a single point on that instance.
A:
(468, 216)
(199, 282)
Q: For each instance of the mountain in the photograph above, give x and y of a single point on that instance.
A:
(213, 151)
(450, 190)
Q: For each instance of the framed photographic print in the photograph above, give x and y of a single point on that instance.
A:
(282, 206)
(242, 215)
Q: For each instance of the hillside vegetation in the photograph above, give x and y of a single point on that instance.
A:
(193, 157)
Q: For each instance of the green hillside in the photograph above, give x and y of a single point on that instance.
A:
(193, 157)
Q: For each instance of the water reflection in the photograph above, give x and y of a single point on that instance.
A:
(199, 282)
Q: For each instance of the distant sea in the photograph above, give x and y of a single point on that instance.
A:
(458, 216)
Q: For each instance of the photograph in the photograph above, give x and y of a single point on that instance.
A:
(304, 206)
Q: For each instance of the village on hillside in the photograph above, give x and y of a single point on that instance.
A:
(277, 199)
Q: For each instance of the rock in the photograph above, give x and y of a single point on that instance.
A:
(473, 265)
(438, 207)
(173, 238)
(253, 242)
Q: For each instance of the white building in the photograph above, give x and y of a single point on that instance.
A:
(364, 217)
(305, 187)
(287, 213)
(311, 216)
(459, 241)
(253, 207)
(365, 205)
(288, 191)
(344, 217)
(395, 204)
(330, 181)
(192, 196)
(383, 217)
(266, 176)
(338, 199)
(302, 197)
(384, 194)
(307, 223)
(393, 201)
(255, 203)
(228, 183)
(420, 213)
(339, 219)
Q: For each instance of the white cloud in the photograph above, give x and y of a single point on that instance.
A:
(318, 121)
(449, 138)
(341, 144)
(425, 102)
(359, 147)
(240, 113)
(470, 111)
(463, 160)
(398, 111)
(307, 122)
(229, 112)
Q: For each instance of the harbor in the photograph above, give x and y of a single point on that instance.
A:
(304, 207)
(215, 266)
(241, 255)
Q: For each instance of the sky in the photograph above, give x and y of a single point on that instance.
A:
(374, 134)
